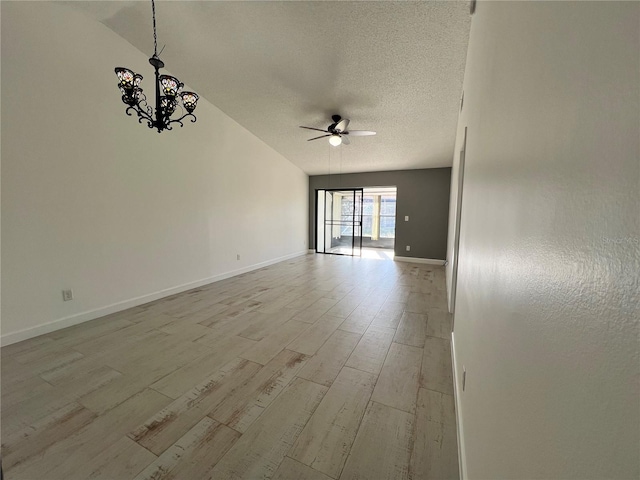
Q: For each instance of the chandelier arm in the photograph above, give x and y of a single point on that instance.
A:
(179, 120)
(143, 105)
(131, 108)
(140, 111)
(142, 116)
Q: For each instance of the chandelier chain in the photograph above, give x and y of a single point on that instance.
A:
(155, 36)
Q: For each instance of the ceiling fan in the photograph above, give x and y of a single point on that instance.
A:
(338, 133)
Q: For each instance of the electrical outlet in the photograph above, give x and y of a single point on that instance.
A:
(406, 218)
(408, 248)
(67, 295)
(238, 257)
(464, 377)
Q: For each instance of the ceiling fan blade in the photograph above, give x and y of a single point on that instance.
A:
(360, 133)
(316, 129)
(345, 140)
(342, 125)
(321, 136)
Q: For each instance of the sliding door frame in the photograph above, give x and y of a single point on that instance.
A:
(356, 221)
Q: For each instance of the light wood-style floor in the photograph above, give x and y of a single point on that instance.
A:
(315, 368)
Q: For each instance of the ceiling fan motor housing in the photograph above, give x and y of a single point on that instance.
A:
(338, 135)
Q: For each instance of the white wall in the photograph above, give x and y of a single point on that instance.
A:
(547, 313)
(94, 201)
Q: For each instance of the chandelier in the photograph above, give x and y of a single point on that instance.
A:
(168, 93)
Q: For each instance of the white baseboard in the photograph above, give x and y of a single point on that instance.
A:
(27, 333)
(462, 461)
(429, 261)
(312, 250)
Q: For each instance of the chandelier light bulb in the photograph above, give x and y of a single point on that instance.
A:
(335, 140)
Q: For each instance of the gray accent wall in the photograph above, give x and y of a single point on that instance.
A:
(423, 195)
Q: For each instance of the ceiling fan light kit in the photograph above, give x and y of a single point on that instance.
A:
(166, 103)
(338, 133)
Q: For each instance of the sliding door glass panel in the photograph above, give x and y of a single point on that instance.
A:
(342, 212)
(387, 216)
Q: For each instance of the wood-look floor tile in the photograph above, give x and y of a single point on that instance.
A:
(242, 406)
(246, 295)
(357, 322)
(25, 346)
(194, 455)
(43, 362)
(435, 450)
(86, 382)
(306, 300)
(123, 459)
(345, 306)
(90, 330)
(185, 378)
(439, 324)
(132, 335)
(167, 374)
(438, 300)
(209, 303)
(417, 303)
(267, 348)
(326, 439)
(34, 409)
(436, 366)
(374, 300)
(259, 452)
(277, 305)
(291, 469)
(310, 341)
(399, 379)
(177, 350)
(372, 349)
(382, 447)
(34, 439)
(73, 456)
(412, 329)
(339, 292)
(20, 391)
(260, 324)
(316, 310)
(202, 314)
(185, 330)
(232, 312)
(165, 427)
(326, 364)
(399, 294)
(389, 315)
(119, 390)
(437, 407)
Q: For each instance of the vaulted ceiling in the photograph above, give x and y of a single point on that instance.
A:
(393, 67)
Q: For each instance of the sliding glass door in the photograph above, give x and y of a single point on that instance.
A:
(339, 221)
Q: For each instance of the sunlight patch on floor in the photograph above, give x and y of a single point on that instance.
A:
(377, 254)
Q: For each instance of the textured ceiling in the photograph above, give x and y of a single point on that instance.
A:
(393, 67)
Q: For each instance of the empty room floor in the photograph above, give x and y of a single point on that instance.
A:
(320, 367)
